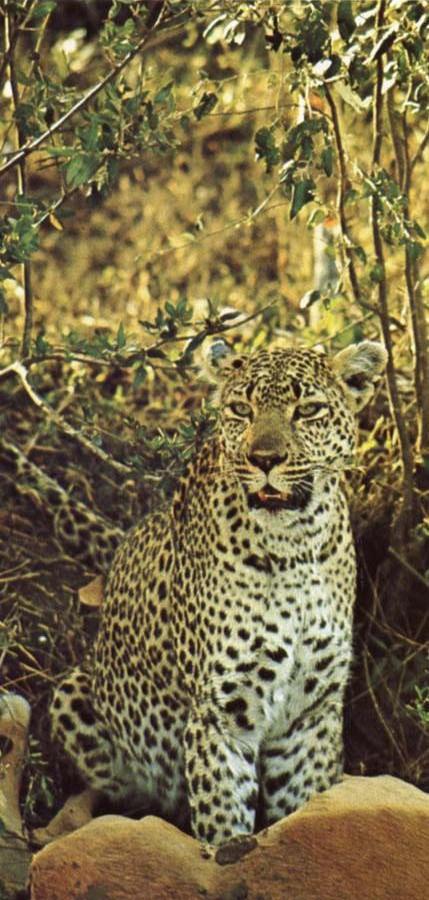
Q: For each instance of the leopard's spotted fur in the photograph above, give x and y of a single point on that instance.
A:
(217, 679)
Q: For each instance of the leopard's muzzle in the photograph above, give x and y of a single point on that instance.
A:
(296, 497)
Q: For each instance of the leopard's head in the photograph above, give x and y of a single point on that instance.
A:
(288, 419)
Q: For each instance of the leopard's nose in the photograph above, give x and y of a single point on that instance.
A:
(264, 459)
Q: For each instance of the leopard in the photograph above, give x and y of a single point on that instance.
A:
(214, 692)
(87, 535)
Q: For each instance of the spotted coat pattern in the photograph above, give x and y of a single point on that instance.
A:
(215, 690)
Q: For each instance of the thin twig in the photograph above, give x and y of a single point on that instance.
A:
(238, 223)
(343, 185)
(400, 559)
(251, 111)
(420, 150)
(378, 710)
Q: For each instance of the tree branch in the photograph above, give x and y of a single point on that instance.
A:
(406, 514)
(404, 167)
(144, 44)
(21, 177)
(343, 184)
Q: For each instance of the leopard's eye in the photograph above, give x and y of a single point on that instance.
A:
(241, 409)
(311, 410)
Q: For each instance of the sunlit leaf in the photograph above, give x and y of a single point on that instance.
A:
(302, 193)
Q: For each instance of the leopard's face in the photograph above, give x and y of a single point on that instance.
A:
(288, 424)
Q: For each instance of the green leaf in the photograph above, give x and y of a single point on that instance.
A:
(164, 93)
(419, 230)
(42, 9)
(121, 339)
(327, 160)
(3, 303)
(81, 169)
(206, 104)
(345, 19)
(303, 192)
(41, 346)
(377, 273)
(140, 376)
(360, 253)
(170, 309)
(414, 250)
(266, 147)
(316, 218)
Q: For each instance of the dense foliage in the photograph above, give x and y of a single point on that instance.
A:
(182, 169)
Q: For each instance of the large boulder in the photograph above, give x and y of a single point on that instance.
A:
(365, 839)
(14, 854)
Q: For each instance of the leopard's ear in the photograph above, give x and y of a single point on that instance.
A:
(359, 367)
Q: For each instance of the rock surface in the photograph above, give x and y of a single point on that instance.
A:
(14, 855)
(365, 839)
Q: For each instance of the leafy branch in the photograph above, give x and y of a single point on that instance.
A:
(145, 43)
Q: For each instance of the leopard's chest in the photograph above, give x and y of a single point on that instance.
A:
(268, 609)
(283, 647)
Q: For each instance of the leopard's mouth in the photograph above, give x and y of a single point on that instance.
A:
(297, 497)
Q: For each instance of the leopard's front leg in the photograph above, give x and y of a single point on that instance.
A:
(301, 762)
(221, 777)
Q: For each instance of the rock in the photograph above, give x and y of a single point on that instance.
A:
(114, 858)
(76, 812)
(14, 721)
(364, 839)
(14, 854)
